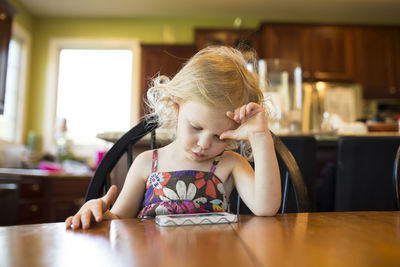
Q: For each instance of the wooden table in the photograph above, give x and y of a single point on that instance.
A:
(304, 239)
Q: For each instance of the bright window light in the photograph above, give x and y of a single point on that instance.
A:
(94, 93)
(9, 119)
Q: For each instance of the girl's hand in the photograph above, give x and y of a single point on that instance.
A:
(92, 210)
(251, 119)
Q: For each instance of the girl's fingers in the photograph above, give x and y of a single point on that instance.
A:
(249, 108)
(230, 114)
(97, 212)
(252, 109)
(228, 135)
(85, 219)
(76, 221)
(242, 112)
(68, 222)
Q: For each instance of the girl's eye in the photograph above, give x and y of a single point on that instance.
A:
(197, 128)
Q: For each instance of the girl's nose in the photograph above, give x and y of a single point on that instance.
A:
(204, 141)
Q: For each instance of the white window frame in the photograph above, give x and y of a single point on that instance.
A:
(18, 32)
(55, 46)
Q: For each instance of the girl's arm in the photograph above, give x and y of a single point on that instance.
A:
(131, 196)
(260, 189)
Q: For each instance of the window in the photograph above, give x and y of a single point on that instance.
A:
(11, 122)
(94, 91)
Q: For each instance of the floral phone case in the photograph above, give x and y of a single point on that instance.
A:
(196, 218)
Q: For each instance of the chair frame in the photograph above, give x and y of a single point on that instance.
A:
(396, 173)
(101, 180)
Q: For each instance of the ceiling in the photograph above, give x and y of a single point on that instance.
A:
(384, 11)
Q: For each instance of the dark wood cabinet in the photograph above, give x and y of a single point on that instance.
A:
(6, 15)
(246, 40)
(397, 61)
(287, 42)
(324, 52)
(332, 53)
(162, 60)
(46, 198)
(378, 61)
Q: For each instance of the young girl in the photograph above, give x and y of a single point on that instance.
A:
(212, 102)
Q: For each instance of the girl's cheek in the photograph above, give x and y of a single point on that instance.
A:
(220, 146)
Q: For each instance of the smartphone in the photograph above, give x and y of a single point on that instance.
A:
(196, 218)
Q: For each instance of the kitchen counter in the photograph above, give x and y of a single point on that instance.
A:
(15, 172)
(38, 196)
(162, 138)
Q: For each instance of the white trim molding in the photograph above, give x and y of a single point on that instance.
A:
(55, 46)
(20, 33)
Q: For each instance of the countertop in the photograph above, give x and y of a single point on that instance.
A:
(163, 138)
(38, 173)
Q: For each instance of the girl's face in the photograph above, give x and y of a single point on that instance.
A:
(198, 130)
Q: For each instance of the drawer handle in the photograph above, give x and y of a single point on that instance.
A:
(3, 16)
(34, 208)
(392, 90)
(35, 187)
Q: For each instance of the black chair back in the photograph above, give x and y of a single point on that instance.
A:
(101, 180)
(396, 178)
(302, 159)
(364, 179)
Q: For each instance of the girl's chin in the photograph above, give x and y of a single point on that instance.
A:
(197, 157)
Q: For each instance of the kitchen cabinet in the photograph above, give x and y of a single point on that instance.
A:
(378, 61)
(332, 53)
(162, 60)
(324, 52)
(45, 197)
(242, 39)
(287, 42)
(6, 15)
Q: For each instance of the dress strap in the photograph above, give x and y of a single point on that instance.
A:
(155, 161)
(215, 162)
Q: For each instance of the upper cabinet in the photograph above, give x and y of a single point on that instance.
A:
(6, 14)
(332, 53)
(162, 60)
(324, 52)
(287, 42)
(246, 40)
(337, 53)
(378, 61)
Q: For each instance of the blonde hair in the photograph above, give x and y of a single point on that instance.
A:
(215, 76)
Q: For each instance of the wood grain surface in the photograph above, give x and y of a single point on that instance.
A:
(303, 239)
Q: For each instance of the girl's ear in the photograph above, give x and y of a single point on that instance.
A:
(176, 107)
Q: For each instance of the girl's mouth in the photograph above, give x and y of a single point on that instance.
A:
(199, 155)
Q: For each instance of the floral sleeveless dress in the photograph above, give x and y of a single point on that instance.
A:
(184, 191)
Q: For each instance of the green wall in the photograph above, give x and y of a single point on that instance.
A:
(23, 17)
